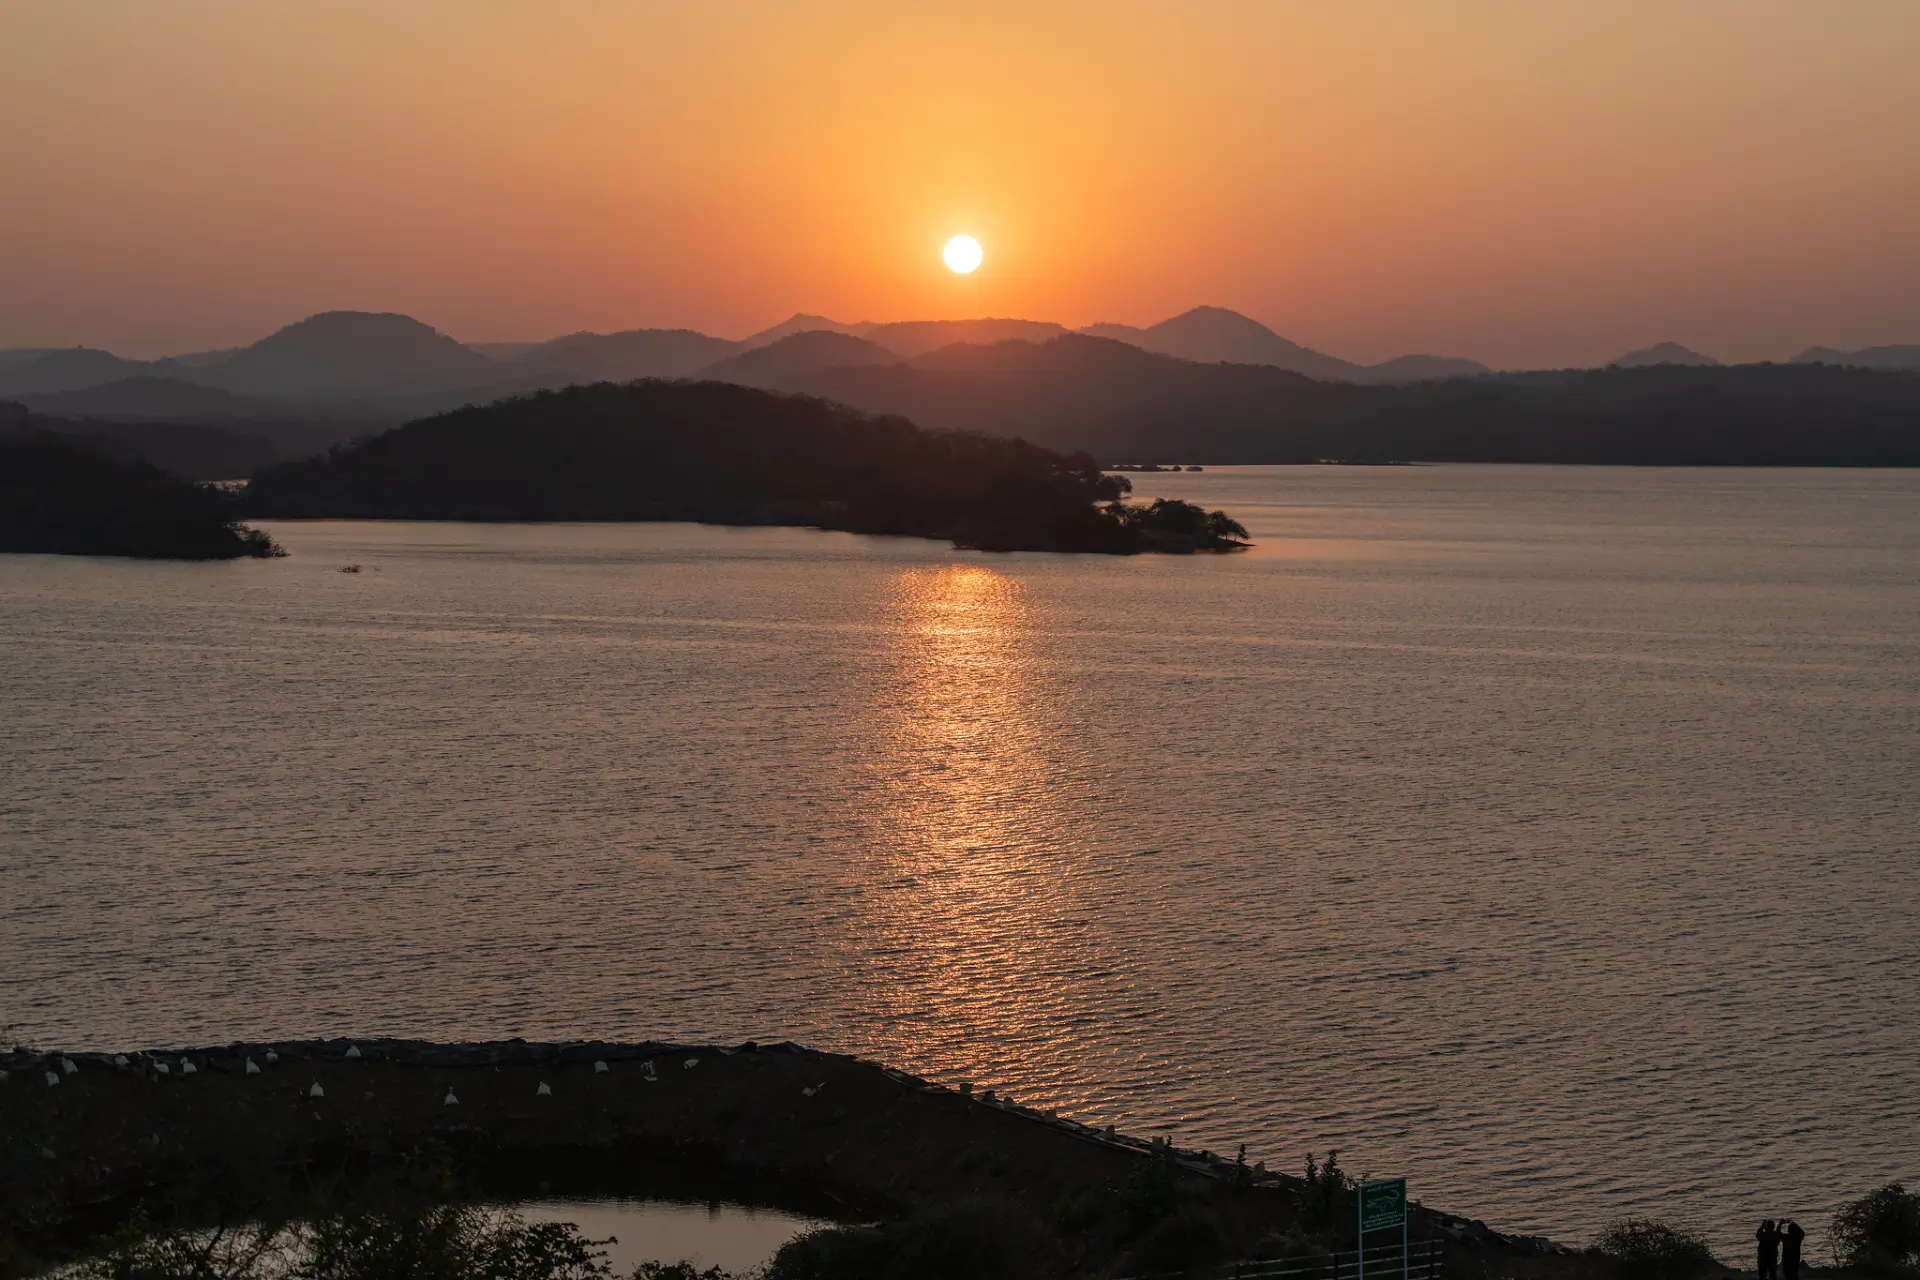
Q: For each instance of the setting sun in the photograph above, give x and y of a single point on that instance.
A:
(963, 254)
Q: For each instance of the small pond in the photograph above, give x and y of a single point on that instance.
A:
(711, 1234)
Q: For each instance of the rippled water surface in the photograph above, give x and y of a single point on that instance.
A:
(1546, 835)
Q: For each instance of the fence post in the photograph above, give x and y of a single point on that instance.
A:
(1360, 1233)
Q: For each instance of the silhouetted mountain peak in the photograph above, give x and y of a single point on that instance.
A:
(799, 322)
(339, 353)
(1215, 335)
(1663, 353)
(1219, 322)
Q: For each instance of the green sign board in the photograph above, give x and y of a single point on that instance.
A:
(1383, 1204)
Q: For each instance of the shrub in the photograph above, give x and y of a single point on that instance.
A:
(449, 1243)
(443, 1243)
(1658, 1250)
(1879, 1231)
(1078, 1213)
(677, 1271)
(1152, 1190)
(1190, 1239)
(220, 1253)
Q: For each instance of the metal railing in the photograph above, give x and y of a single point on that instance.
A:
(1422, 1260)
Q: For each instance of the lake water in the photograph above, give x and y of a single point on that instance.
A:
(1545, 835)
(735, 1238)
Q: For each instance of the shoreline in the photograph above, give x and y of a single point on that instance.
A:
(785, 1122)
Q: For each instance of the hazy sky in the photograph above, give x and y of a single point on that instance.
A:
(1535, 182)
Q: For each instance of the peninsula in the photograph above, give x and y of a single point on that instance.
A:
(58, 496)
(720, 453)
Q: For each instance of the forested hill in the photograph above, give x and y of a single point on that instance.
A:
(1120, 403)
(726, 454)
(58, 496)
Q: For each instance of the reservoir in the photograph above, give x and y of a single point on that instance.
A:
(1548, 836)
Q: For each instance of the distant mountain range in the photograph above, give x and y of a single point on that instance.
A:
(1121, 404)
(373, 366)
(1205, 386)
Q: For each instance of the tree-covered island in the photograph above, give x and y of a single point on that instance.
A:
(724, 454)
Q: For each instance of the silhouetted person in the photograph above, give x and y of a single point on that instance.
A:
(1769, 1237)
(1790, 1237)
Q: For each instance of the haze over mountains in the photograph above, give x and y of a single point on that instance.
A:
(1206, 386)
(361, 366)
(382, 366)
(1121, 403)
(1214, 335)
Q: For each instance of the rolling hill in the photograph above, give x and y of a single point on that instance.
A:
(916, 337)
(14, 357)
(619, 357)
(1421, 369)
(153, 399)
(799, 323)
(227, 449)
(1215, 335)
(1123, 404)
(1896, 357)
(1662, 353)
(71, 369)
(341, 354)
(796, 354)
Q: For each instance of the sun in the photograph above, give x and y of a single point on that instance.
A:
(963, 255)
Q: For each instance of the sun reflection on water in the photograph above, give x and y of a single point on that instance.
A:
(974, 899)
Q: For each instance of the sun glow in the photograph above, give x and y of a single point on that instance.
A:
(963, 254)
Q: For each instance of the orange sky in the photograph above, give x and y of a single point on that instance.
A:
(1527, 183)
